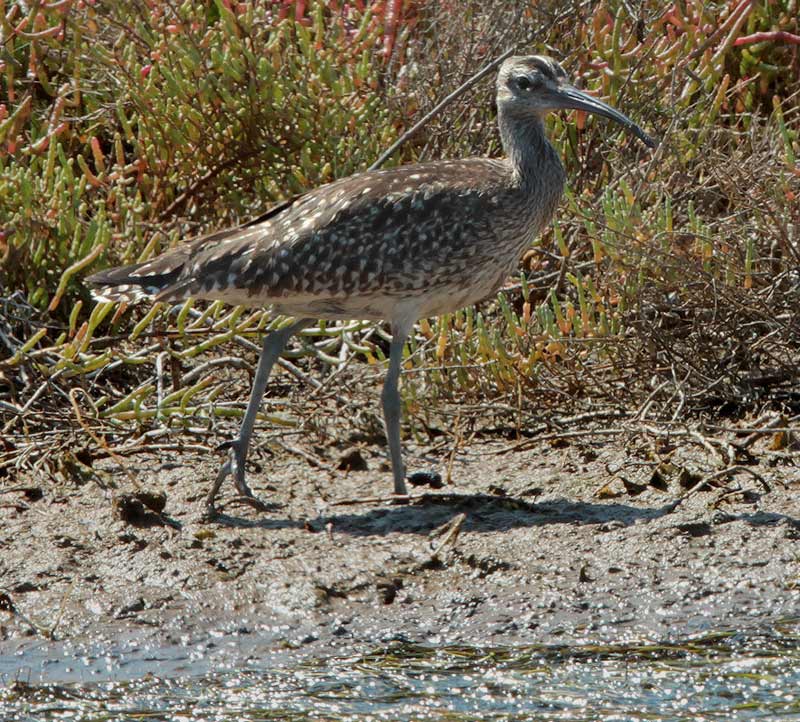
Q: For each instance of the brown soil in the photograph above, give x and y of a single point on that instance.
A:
(554, 548)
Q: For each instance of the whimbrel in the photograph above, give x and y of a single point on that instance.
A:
(398, 245)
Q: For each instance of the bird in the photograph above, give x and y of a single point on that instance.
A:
(394, 245)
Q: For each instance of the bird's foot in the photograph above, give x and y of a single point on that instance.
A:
(254, 502)
(234, 466)
(212, 511)
(433, 479)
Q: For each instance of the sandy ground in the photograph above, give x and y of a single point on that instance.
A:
(553, 547)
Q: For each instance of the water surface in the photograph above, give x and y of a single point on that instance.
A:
(718, 676)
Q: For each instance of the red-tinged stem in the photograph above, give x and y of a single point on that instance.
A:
(58, 5)
(731, 21)
(775, 36)
(390, 23)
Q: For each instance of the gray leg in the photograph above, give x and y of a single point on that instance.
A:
(274, 343)
(391, 405)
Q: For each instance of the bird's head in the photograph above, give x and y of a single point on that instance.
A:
(538, 84)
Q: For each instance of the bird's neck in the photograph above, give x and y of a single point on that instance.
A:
(532, 158)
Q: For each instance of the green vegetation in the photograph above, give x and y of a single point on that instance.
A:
(669, 279)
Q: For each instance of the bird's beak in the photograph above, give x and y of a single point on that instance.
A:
(568, 96)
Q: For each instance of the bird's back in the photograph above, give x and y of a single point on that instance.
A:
(440, 234)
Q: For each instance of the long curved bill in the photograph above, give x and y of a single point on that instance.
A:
(568, 96)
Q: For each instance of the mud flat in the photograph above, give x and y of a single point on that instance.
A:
(532, 543)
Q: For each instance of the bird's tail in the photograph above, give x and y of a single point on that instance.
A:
(167, 277)
(151, 279)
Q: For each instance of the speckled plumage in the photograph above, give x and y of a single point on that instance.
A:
(444, 234)
(397, 244)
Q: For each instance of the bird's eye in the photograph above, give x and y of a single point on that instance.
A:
(524, 82)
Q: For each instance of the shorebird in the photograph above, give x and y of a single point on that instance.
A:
(398, 245)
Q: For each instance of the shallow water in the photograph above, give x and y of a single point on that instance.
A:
(720, 676)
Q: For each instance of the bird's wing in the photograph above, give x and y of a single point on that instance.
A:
(350, 236)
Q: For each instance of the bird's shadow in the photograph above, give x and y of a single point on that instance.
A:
(426, 512)
(484, 513)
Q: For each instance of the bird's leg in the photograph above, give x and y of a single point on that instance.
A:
(274, 343)
(391, 405)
